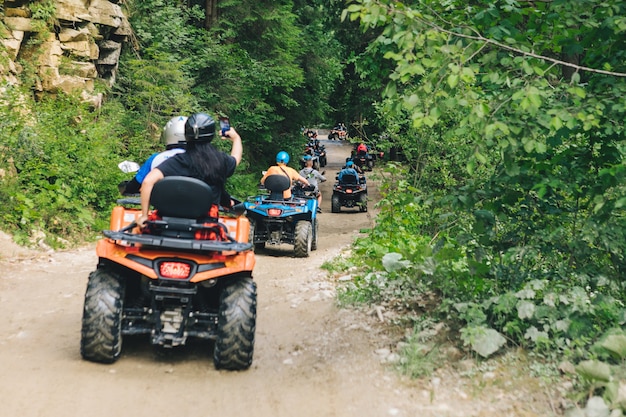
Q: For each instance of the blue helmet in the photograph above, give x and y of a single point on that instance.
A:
(307, 157)
(283, 157)
(349, 164)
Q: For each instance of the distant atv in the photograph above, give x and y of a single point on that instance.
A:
(187, 274)
(339, 132)
(350, 192)
(365, 161)
(275, 220)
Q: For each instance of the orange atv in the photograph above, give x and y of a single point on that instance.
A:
(188, 273)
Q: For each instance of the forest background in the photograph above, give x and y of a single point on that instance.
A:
(505, 218)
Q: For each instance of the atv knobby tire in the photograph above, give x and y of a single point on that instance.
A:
(363, 202)
(316, 228)
(335, 204)
(303, 239)
(259, 246)
(101, 333)
(234, 345)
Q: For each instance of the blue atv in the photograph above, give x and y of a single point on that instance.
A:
(275, 220)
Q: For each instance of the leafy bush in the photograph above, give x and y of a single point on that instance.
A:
(421, 249)
(60, 167)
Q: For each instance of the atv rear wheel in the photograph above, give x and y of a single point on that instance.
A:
(303, 239)
(101, 332)
(234, 345)
(316, 228)
(335, 205)
(363, 202)
(259, 246)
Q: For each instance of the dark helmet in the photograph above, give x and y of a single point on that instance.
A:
(200, 127)
(283, 157)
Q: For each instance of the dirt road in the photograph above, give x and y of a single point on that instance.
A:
(311, 358)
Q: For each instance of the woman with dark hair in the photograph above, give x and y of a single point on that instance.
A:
(201, 160)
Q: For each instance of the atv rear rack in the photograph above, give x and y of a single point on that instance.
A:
(177, 243)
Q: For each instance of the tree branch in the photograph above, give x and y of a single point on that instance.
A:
(479, 37)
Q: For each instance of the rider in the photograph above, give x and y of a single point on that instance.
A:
(311, 134)
(314, 177)
(201, 159)
(348, 170)
(281, 168)
(353, 166)
(174, 137)
(361, 149)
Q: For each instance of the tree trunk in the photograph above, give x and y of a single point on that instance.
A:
(210, 13)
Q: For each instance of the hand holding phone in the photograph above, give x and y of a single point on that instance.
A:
(224, 125)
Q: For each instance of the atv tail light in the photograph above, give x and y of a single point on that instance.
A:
(349, 190)
(176, 270)
(274, 212)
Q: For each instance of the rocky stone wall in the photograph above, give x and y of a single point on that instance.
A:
(79, 43)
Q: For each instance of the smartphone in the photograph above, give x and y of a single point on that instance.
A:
(224, 125)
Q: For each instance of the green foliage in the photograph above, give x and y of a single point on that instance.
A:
(420, 358)
(60, 169)
(484, 341)
(604, 376)
(159, 89)
(513, 192)
(43, 14)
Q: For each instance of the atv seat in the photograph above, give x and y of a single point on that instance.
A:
(276, 184)
(183, 197)
(186, 206)
(349, 179)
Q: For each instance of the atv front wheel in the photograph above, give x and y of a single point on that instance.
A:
(234, 345)
(303, 239)
(335, 204)
(101, 333)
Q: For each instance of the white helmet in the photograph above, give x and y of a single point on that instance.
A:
(174, 130)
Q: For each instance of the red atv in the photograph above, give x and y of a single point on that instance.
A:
(188, 273)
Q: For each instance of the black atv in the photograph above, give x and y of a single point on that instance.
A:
(350, 191)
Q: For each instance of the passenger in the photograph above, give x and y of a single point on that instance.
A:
(314, 177)
(201, 159)
(174, 138)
